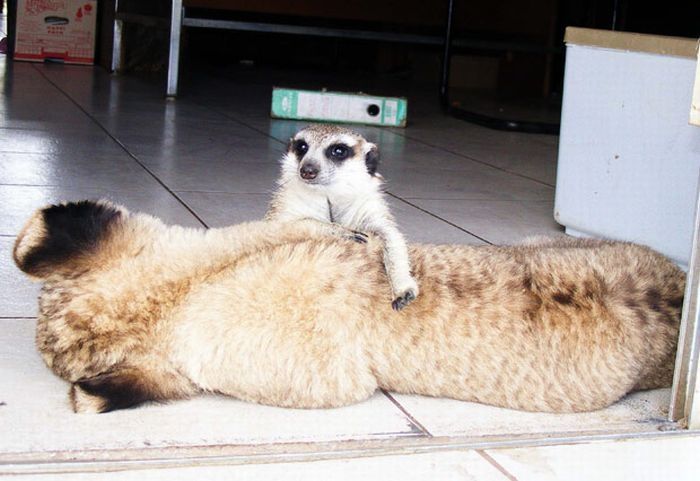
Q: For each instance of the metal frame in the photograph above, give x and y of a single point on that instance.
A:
(179, 19)
(685, 395)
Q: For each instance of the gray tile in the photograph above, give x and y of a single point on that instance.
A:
(533, 159)
(125, 104)
(56, 142)
(40, 106)
(27, 119)
(421, 227)
(19, 202)
(499, 222)
(234, 168)
(102, 95)
(475, 183)
(188, 139)
(19, 294)
(222, 209)
(449, 417)
(530, 155)
(37, 418)
(152, 127)
(219, 209)
(21, 76)
(109, 171)
(634, 459)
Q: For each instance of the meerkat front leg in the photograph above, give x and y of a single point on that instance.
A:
(398, 268)
(334, 230)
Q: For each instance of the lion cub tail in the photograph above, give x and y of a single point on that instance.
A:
(61, 237)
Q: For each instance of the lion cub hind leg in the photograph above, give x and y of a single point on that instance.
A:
(126, 387)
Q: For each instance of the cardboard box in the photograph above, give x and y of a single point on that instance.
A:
(628, 158)
(62, 30)
(338, 107)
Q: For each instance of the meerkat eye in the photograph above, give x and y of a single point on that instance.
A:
(300, 147)
(338, 152)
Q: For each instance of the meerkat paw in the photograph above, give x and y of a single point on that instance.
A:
(357, 236)
(349, 234)
(404, 297)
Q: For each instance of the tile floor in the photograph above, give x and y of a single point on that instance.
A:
(210, 159)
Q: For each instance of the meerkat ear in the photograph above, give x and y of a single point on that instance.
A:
(372, 159)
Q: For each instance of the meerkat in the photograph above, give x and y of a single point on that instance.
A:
(329, 173)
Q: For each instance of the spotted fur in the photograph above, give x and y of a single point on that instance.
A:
(273, 313)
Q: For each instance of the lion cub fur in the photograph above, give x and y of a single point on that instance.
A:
(289, 314)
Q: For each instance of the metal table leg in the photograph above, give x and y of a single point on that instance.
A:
(459, 112)
(174, 54)
(446, 57)
(117, 46)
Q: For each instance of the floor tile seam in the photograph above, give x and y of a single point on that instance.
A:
(486, 456)
(240, 122)
(7, 184)
(223, 192)
(473, 159)
(72, 152)
(124, 148)
(405, 201)
(412, 419)
(117, 155)
(234, 119)
(74, 184)
(59, 128)
(64, 133)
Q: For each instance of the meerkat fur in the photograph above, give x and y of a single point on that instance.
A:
(329, 174)
(132, 310)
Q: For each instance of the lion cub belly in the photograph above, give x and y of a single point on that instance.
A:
(290, 333)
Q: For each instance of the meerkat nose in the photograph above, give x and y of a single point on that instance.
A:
(308, 172)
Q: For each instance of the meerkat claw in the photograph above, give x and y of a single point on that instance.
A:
(359, 237)
(403, 300)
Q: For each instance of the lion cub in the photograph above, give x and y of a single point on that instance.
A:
(329, 173)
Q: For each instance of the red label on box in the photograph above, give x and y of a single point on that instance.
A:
(56, 29)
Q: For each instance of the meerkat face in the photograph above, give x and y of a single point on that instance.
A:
(327, 155)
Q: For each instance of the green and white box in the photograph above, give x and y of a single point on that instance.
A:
(338, 107)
